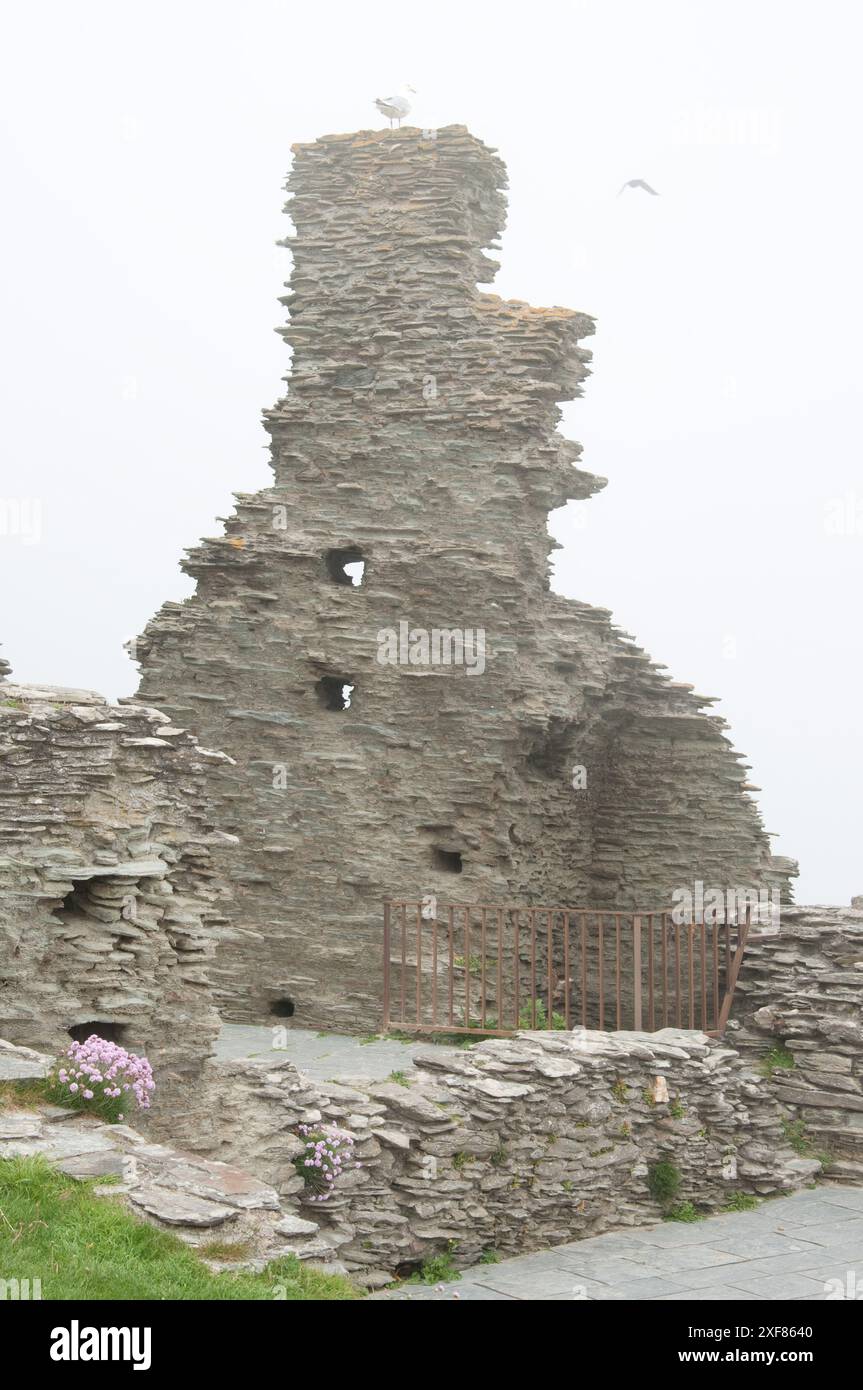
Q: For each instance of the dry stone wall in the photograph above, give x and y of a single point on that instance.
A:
(513, 1145)
(109, 897)
(799, 1004)
(419, 438)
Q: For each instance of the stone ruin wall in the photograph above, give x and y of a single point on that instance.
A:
(109, 897)
(801, 993)
(419, 434)
(117, 829)
(513, 1146)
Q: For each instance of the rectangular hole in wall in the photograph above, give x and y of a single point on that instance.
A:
(448, 861)
(335, 692)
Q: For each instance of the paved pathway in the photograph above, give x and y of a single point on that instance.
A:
(787, 1248)
(325, 1056)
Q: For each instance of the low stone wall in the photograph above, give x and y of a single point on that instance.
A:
(799, 1003)
(514, 1145)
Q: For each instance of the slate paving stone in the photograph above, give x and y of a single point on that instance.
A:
(608, 1269)
(807, 1214)
(834, 1234)
(510, 1277)
(462, 1292)
(607, 1247)
(719, 1293)
(677, 1234)
(686, 1257)
(778, 1285)
(728, 1274)
(649, 1288)
(758, 1246)
(844, 1197)
(851, 1279)
(812, 1257)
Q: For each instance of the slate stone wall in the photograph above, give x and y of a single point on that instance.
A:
(799, 1004)
(419, 436)
(109, 896)
(514, 1145)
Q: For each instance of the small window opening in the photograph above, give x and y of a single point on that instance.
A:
(447, 860)
(111, 1032)
(283, 1008)
(346, 566)
(335, 692)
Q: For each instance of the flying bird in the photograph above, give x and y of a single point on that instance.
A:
(638, 183)
(395, 107)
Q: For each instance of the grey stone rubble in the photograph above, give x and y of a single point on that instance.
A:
(109, 898)
(802, 992)
(419, 436)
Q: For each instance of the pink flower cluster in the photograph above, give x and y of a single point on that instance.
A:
(328, 1152)
(99, 1070)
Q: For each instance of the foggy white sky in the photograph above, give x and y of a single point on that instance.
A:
(144, 148)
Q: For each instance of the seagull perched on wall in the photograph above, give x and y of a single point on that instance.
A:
(638, 183)
(397, 106)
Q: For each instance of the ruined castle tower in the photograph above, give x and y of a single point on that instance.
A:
(417, 443)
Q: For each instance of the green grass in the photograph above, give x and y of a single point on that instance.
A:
(437, 1269)
(797, 1137)
(684, 1211)
(85, 1247)
(534, 1016)
(777, 1059)
(399, 1077)
(227, 1250)
(48, 1091)
(23, 1095)
(741, 1201)
(474, 964)
(396, 1036)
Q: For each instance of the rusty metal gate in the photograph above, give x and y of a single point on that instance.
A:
(493, 969)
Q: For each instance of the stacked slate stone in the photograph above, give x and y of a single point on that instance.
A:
(108, 896)
(418, 437)
(799, 1010)
(515, 1145)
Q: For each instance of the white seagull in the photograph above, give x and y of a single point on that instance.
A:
(638, 183)
(397, 106)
